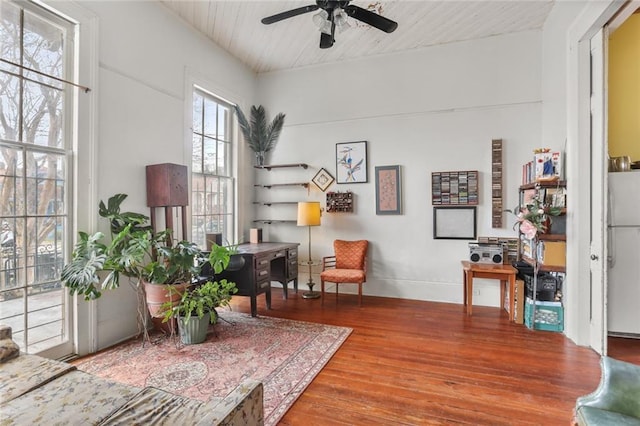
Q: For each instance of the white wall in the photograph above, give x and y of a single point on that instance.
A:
(146, 56)
(428, 110)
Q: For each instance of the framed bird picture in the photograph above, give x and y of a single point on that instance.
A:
(351, 162)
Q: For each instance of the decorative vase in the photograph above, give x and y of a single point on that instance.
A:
(260, 155)
(195, 330)
(236, 262)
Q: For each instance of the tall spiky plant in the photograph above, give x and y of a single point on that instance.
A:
(260, 135)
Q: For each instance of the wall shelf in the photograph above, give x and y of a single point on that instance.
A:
(269, 203)
(270, 221)
(303, 184)
(544, 184)
(277, 166)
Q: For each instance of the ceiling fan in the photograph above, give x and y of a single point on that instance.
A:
(333, 13)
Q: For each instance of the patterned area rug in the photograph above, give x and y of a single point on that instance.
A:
(284, 355)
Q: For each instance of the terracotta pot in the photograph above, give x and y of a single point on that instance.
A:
(157, 294)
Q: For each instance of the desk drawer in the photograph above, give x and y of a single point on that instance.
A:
(292, 254)
(292, 270)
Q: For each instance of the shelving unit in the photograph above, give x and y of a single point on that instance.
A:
(552, 247)
(267, 203)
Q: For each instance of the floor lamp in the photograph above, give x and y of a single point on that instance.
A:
(309, 215)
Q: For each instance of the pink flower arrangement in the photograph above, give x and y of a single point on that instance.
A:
(533, 218)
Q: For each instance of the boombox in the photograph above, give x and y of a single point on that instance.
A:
(486, 253)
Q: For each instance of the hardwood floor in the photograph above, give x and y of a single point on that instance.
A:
(415, 363)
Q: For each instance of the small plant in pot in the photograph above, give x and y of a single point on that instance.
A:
(197, 309)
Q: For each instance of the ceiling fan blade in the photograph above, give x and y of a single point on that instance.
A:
(289, 14)
(373, 19)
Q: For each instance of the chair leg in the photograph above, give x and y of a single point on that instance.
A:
(337, 284)
(360, 293)
(322, 292)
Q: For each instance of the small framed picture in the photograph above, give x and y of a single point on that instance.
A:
(388, 190)
(454, 223)
(322, 179)
(351, 162)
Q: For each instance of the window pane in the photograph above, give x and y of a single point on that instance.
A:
(11, 305)
(198, 194)
(196, 154)
(43, 47)
(43, 119)
(45, 315)
(197, 113)
(226, 191)
(210, 125)
(9, 33)
(11, 182)
(224, 159)
(209, 163)
(10, 102)
(223, 123)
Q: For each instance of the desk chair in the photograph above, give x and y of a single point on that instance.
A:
(348, 265)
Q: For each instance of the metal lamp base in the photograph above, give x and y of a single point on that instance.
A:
(311, 294)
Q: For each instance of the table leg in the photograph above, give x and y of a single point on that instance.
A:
(254, 305)
(512, 297)
(469, 287)
(464, 287)
(503, 287)
(268, 296)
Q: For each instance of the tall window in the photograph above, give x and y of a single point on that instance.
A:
(212, 181)
(35, 149)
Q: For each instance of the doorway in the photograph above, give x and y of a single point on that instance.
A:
(623, 289)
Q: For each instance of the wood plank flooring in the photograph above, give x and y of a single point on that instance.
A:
(411, 362)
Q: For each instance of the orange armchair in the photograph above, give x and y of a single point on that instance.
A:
(348, 265)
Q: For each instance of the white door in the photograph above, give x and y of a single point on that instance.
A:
(598, 323)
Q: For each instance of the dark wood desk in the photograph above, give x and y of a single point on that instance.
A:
(504, 273)
(264, 262)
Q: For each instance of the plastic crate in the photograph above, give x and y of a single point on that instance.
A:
(549, 315)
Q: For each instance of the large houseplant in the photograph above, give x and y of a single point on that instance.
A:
(260, 135)
(149, 259)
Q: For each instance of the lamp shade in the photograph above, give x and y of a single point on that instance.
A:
(309, 213)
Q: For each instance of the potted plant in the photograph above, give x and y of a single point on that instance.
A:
(260, 135)
(200, 301)
(152, 261)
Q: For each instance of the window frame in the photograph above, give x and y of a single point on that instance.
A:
(229, 209)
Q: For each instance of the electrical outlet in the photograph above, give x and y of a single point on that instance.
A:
(476, 292)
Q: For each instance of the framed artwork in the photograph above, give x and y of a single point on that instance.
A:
(388, 190)
(454, 223)
(322, 179)
(351, 162)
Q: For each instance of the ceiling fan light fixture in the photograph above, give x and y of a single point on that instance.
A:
(340, 18)
(320, 19)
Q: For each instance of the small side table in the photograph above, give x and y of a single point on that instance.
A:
(504, 273)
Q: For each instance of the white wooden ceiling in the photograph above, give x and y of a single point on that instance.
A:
(235, 26)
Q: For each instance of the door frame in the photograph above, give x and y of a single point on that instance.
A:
(578, 324)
